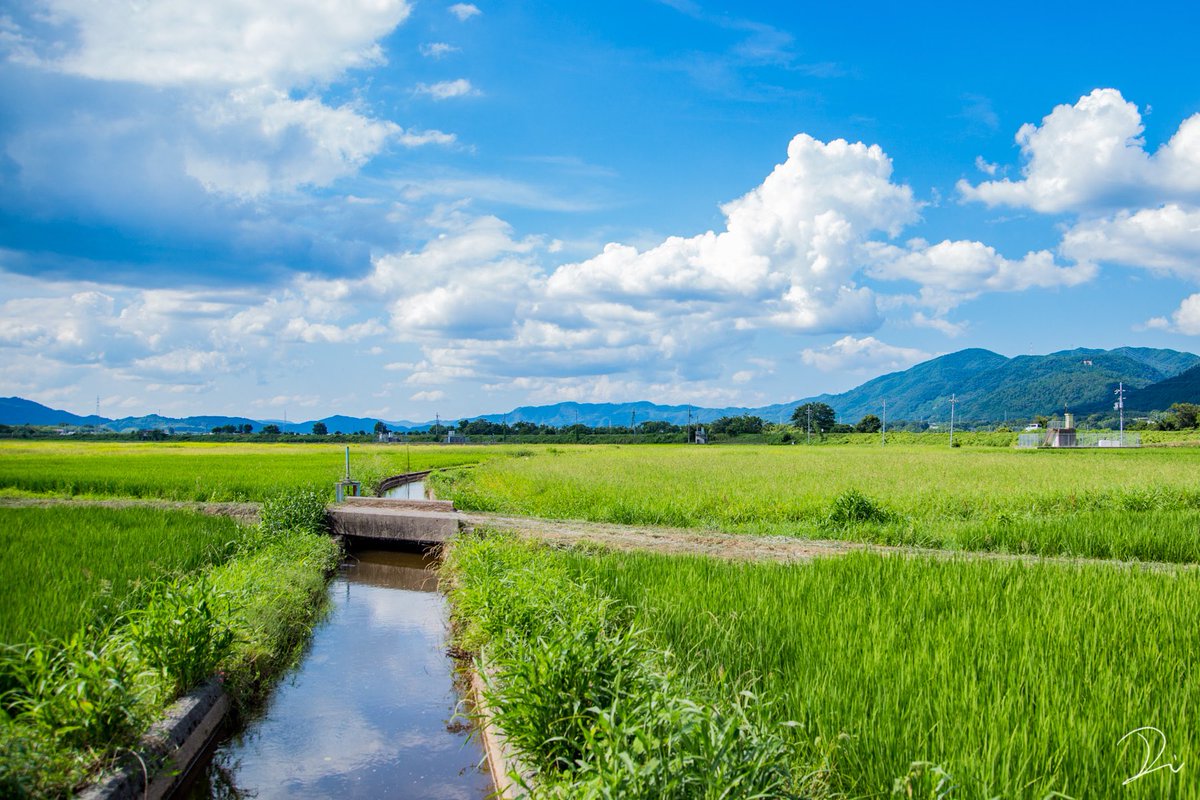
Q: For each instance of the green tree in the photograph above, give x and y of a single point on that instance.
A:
(271, 429)
(380, 429)
(868, 424)
(320, 429)
(823, 416)
(1187, 415)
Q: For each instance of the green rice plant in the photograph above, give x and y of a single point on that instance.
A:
(63, 566)
(1014, 680)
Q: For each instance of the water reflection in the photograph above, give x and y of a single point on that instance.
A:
(368, 712)
(407, 491)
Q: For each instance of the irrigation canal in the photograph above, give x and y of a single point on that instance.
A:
(369, 712)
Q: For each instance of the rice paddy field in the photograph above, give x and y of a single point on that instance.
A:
(205, 472)
(1017, 680)
(1130, 504)
(62, 566)
(894, 675)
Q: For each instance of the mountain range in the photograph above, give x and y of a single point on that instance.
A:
(986, 387)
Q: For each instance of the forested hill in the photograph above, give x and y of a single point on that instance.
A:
(991, 387)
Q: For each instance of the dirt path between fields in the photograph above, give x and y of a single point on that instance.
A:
(747, 547)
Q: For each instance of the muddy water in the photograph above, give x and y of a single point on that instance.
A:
(368, 713)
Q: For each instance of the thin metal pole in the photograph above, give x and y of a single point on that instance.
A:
(883, 426)
(953, 400)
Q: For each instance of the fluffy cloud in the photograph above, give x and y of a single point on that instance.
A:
(950, 272)
(1091, 155)
(300, 142)
(789, 251)
(868, 354)
(224, 42)
(1164, 239)
(444, 90)
(1185, 319)
(167, 117)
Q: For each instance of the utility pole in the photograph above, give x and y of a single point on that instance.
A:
(632, 428)
(1120, 406)
(953, 400)
(883, 426)
(808, 435)
(689, 425)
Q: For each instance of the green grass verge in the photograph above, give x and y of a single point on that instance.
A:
(69, 704)
(1004, 680)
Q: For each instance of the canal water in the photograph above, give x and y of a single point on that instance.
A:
(370, 711)
(414, 490)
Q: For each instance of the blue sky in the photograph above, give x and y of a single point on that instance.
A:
(399, 209)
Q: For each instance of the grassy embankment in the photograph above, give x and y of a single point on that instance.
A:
(110, 614)
(873, 676)
(207, 472)
(1131, 504)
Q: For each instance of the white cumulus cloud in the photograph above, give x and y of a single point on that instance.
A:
(1164, 239)
(1185, 319)
(1091, 155)
(224, 42)
(868, 354)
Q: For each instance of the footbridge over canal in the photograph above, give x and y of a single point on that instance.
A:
(397, 518)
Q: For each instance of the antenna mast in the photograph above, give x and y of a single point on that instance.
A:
(1120, 407)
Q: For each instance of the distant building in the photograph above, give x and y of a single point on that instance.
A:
(701, 435)
(454, 437)
(1062, 435)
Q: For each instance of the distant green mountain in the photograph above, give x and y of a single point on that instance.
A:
(990, 387)
(1181, 388)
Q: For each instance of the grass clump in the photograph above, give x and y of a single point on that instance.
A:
(852, 507)
(592, 707)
